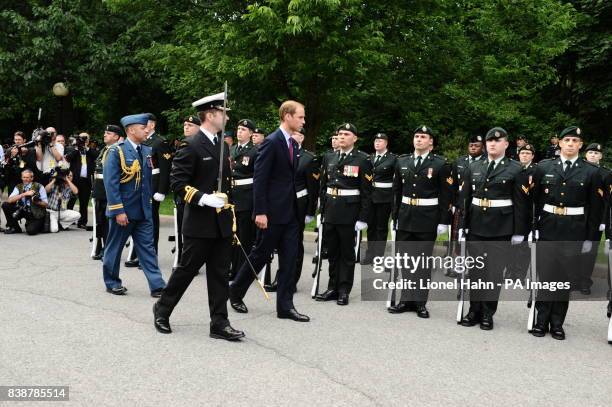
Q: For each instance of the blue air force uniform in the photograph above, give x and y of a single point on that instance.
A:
(127, 180)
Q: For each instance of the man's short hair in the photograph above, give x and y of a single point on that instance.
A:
(288, 107)
(27, 170)
(202, 114)
(20, 134)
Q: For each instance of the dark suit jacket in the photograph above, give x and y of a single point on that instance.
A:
(274, 180)
(73, 156)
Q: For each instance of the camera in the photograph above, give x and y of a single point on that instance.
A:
(24, 211)
(59, 173)
(42, 136)
(81, 141)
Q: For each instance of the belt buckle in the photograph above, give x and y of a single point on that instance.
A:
(334, 192)
(414, 201)
(559, 210)
(233, 182)
(485, 203)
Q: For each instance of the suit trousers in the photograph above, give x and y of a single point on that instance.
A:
(84, 187)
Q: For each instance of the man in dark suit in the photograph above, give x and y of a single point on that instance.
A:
(275, 210)
(207, 220)
(82, 161)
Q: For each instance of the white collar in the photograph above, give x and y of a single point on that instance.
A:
(423, 156)
(381, 154)
(132, 143)
(208, 134)
(573, 160)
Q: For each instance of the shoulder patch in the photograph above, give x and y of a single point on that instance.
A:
(167, 156)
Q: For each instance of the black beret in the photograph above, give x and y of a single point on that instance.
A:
(259, 130)
(113, 128)
(496, 133)
(521, 137)
(247, 123)
(347, 127)
(476, 138)
(594, 147)
(423, 130)
(381, 136)
(152, 117)
(192, 119)
(229, 134)
(571, 131)
(527, 147)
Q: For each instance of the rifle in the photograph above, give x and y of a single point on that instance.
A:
(453, 239)
(316, 275)
(533, 237)
(94, 239)
(392, 275)
(461, 294)
(176, 249)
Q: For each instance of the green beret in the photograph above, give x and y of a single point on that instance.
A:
(594, 147)
(496, 133)
(571, 131)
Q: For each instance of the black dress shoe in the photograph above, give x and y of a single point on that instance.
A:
(328, 295)
(585, 291)
(539, 330)
(486, 323)
(271, 288)
(81, 226)
(239, 306)
(293, 314)
(557, 333)
(117, 290)
(401, 307)
(343, 299)
(12, 231)
(162, 324)
(226, 332)
(97, 256)
(470, 319)
(157, 293)
(609, 312)
(131, 263)
(422, 312)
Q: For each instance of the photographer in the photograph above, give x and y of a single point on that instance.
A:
(18, 157)
(60, 190)
(82, 164)
(48, 153)
(27, 201)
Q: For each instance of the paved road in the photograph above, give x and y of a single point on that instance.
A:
(59, 327)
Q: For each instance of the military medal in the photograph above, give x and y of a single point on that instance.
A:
(429, 173)
(149, 161)
(245, 160)
(351, 171)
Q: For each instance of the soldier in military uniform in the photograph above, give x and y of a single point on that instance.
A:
(243, 155)
(207, 225)
(569, 198)
(422, 198)
(191, 127)
(475, 153)
(127, 180)
(496, 213)
(112, 134)
(346, 188)
(553, 149)
(258, 136)
(517, 268)
(513, 152)
(593, 154)
(383, 166)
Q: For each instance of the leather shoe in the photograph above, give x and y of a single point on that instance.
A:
(343, 299)
(131, 263)
(293, 314)
(557, 333)
(225, 332)
(97, 256)
(117, 290)
(539, 330)
(162, 324)
(422, 312)
(401, 307)
(271, 288)
(486, 323)
(328, 295)
(609, 312)
(157, 293)
(11, 231)
(239, 306)
(470, 319)
(585, 291)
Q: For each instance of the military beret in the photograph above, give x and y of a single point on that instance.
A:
(347, 127)
(527, 147)
(571, 131)
(476, 138)
(259, 130)
(192, 119)
(594, 147)
(423, 130)
(152, 117)
(496, 133)
(381, 136)
(521, 137)
(247, 123)
(142, 118)
(228, 134)
(210, 102)
(113, 128)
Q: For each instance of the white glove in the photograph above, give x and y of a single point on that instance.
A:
(586, 246)
(461, 235)
(602, 227)
(159, 197)
(442, 229)
(211, 200)
(607, 247)
(516, 239)
(308, 219)
(360, 225)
